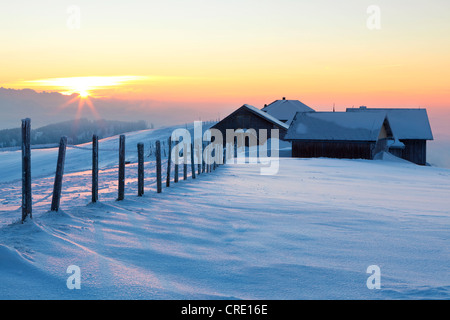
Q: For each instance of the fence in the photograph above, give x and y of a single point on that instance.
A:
(157, 149)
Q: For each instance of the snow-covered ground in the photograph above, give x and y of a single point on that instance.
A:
(308, 232)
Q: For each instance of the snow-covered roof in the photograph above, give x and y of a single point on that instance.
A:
(266, 116)
(337, 126)
(285, 110)
(405, 123)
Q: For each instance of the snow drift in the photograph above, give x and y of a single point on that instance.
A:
(309, 232)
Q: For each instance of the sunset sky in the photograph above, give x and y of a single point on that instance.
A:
(218, 55)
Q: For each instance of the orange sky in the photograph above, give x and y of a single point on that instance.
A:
(235, 52)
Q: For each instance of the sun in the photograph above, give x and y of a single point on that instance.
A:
(83, 93)
(83, 87)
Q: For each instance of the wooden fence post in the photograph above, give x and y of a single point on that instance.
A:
(169, 162)
(158, 166)
(176, 166)
(59, 174)
(94, 168)
(199, 164)
(208, 168)
(203, 160)
(140, 148)
(164, 148)
(192, 161)
(26, 169)
(185, 161)
(224, 157)
(121, 194)
(210, 164)
(209, 161)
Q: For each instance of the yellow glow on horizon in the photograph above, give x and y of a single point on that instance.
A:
(320, 52)
(83, 86)
(83, 93)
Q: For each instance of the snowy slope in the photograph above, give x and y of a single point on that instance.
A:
(309, 232)
(79, 157)
(77, 167)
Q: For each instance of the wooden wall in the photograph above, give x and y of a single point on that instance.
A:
(415, 151)
(333, 149)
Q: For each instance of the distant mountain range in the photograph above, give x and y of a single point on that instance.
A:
(51, 107)
(77, 131)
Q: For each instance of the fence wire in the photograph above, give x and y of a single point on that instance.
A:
(149, 167)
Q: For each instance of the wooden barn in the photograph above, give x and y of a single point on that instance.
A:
(249, 117)
(350, 135)
(285, 110)
(411, 127)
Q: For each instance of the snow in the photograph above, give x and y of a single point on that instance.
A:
(405, 123)
(79, 157)
(354, 126)
(266, 116)
(286, 109)
(387, 156)
(308, 232)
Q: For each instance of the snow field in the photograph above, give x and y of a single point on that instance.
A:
(309, 232)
